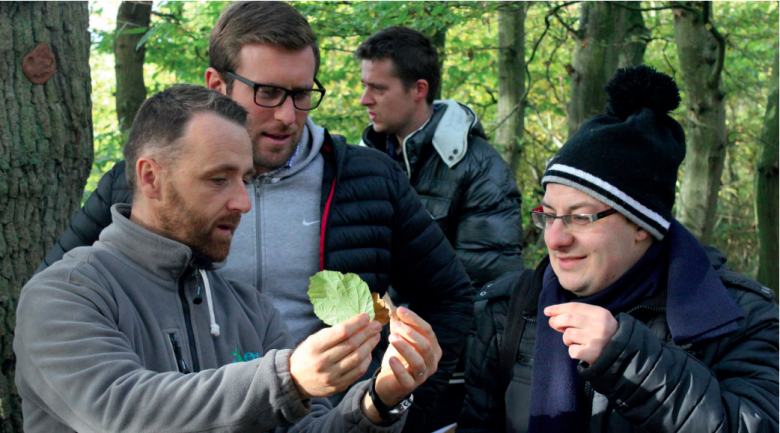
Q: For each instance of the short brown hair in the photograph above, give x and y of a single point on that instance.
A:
(163, 118)
(269, 23)
(413, 55)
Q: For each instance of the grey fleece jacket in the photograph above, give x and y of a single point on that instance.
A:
(276, 246)
(95, 347)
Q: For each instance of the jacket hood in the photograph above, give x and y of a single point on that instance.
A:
(448, 130)
(451, 135)
(163, 257)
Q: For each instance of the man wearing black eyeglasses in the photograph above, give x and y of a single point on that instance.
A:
(630, 324)
(317, 203)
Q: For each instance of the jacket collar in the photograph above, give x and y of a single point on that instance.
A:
(163, 257)
(447, 130)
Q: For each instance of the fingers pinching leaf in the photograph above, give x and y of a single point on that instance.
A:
(381, 312)
(338, 297)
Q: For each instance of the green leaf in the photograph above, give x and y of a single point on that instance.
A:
(338, 297)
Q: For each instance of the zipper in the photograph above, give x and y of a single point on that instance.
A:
(589, 396)
(185, 305)
(259, 235)
(180, 364)
(644, 307)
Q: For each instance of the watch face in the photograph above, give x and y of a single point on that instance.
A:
(402, 406)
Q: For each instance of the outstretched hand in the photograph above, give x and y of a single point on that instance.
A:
(586, 328)
(412, 357)
(332, 359)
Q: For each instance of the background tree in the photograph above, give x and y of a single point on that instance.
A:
(45, 151)
(767, 189)
(701, 50)
(610, 35)
(511, 82)
(132, 22)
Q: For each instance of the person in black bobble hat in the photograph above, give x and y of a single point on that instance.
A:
(629, 324)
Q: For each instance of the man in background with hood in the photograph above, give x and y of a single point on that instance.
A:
(461, 179)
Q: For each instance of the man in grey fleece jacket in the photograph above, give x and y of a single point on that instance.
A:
(116, 336)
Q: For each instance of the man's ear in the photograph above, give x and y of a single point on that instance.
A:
(641, 234)
(214, 81)
(149, 177)
(420, 90)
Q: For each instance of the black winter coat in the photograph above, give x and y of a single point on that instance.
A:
(476, 202)
(642, 382)
(374, 226)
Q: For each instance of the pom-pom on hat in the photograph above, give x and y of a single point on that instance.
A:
(629, 157)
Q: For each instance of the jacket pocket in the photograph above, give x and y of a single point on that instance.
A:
(176, 351)
(439, 209)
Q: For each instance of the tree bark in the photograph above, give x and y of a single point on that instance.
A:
(45, 151)
(609, 36)
(766, 190)
(511, 83)
(439, 40)
(701, 56)
(129, 61)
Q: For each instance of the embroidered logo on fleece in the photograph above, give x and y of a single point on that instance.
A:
(246, 357)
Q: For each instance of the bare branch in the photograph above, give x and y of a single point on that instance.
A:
(661, 8)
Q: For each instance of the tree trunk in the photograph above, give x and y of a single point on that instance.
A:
(609, 36)
(511, 83)
(766, 190)
(439, 40)
(129, 61)
(45, 151)
(701, 57)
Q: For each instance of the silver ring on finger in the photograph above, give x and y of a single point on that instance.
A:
(422, 372)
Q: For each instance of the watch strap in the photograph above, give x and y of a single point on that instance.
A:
(385, 412)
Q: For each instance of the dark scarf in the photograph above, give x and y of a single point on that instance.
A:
(698, 307)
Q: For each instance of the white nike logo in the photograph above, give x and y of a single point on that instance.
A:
(310, 223)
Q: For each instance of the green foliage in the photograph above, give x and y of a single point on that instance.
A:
(177, 52)
(338, 297)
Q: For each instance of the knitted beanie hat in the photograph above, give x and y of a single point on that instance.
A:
(629, 157)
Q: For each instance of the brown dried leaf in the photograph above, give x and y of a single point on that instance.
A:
(381, 312)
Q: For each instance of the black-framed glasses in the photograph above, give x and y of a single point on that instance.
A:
(573, 222)
(269, 96)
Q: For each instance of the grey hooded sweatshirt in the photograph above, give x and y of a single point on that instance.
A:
(109, 340)
(276, 246)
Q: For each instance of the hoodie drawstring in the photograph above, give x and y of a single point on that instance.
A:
(214, 326)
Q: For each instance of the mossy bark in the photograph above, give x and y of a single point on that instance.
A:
(129, 61)
(705, 121)
(766, 190)
(45, 155)
(609, 36)
(511, 83)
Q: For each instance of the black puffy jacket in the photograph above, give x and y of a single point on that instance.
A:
(467, 188)
(374, 226)
(642, 382)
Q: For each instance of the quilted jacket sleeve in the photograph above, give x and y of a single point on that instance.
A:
(734, 388)
(426, 272)
(489, 235)
(86, 226)
(484, 408)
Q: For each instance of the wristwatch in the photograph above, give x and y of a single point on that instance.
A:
(387, 413)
